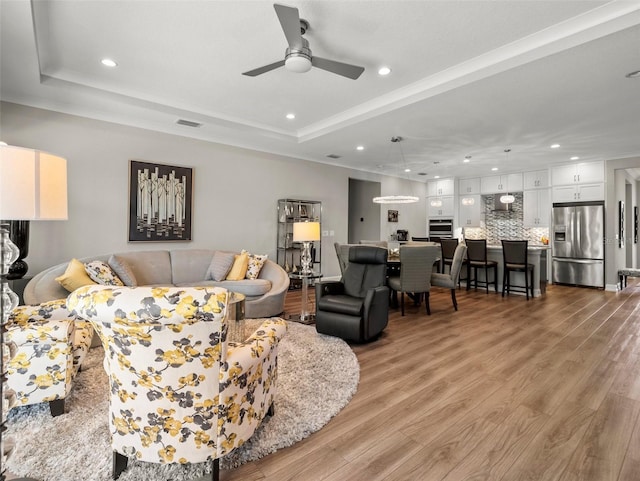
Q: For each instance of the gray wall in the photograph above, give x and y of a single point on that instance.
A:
(235, 190)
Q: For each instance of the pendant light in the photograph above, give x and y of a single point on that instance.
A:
(400, 198)
(507, 198)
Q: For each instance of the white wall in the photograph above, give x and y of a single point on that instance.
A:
(615, 257)
(235, 190)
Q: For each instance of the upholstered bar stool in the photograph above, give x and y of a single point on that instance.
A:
(516, 259)
(477, 259)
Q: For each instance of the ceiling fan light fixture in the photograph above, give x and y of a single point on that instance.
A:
(298, 63)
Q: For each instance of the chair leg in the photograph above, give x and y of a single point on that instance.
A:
(402, 302)
(56, 407)
(215, 472)
(119, 464)
(453, 298)
(495, 278)
(426, 303)
(468, 276)
(486, 279)
(526, 282)
(504, 280)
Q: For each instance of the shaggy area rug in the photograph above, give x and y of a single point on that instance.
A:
(317, 376)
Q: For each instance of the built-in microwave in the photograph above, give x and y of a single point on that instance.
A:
(440, 229)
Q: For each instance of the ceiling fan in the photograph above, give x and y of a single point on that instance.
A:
(298, 57)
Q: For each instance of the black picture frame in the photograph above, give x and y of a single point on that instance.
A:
(160, 202)
(621, 224)
(392, 215)
(635, 224)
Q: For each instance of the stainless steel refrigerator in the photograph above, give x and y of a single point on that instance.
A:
(578, 244)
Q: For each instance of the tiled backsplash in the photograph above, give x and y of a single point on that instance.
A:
(498, 225)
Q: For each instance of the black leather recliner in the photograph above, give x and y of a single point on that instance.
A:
(357, 308)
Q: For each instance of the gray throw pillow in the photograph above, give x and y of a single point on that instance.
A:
(123, 269)
(220, 265)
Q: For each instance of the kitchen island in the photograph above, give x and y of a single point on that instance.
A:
(537, 254)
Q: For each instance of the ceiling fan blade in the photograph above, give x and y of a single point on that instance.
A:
(344, 69)
(265, 69)
(290, 22)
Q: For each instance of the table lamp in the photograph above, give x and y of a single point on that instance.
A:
(33, 186)
(306, 232)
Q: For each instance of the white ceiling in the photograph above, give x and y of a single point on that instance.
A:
(468, 77)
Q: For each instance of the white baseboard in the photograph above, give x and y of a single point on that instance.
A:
(612, 287)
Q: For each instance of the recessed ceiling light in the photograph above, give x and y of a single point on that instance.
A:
(107, 62)
(575, 157)
(3, 143)
(436, 176)
(384, 71)
(466, 160)
(555, 146)
(291, 116)
(635, 74)
(360, 147)
(494, 168)
(407, 170)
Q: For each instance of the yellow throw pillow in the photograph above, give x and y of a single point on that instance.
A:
(75, 276)
(239, 269)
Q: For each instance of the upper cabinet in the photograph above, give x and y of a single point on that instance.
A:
(582, 173)
(440, 187)
(538, 179)
(469, 186)
(470, 209)
(441, 206)
(501, 183)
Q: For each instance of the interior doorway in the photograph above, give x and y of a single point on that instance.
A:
(364, 215)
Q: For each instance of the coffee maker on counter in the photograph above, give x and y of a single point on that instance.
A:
(402, 235)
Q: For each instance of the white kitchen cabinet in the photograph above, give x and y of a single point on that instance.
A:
(538, 179)
(469, 186)
(440, 187)
(445, 209)
(536, 208)
(578, 193)
(495, 184)
(582, 173)
(470, 210)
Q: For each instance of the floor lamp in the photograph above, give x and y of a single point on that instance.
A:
(33, 186)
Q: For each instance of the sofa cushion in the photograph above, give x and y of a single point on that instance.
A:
(250, 288)
(74, 276)
(189, 265)
(102, 273)
(123, 270)
(148, 267)
(255, 264)
(239, 268)
(220, 266)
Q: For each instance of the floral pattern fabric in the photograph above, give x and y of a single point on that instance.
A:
(102, 273)
(255, 264)
(178, 392)
(51, 346)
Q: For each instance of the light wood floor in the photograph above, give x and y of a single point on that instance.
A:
(503, 389)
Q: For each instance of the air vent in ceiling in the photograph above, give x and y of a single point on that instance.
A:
(188, 123)
(333, 156)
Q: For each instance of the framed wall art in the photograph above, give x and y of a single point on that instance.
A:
(392, 216)
(621, 224)
(160, 202)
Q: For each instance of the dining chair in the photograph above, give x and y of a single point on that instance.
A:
(416, 265)
(515, 255)
(450, 280)
(477, 259)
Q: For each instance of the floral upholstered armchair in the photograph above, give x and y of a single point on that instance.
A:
(50, 346)
(179, 393)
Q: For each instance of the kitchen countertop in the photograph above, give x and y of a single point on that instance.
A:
(534, 247)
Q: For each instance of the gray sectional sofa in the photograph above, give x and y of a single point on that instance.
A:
(181, 267)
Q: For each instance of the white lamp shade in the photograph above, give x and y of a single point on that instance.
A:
(33, 185)
(306, 231)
